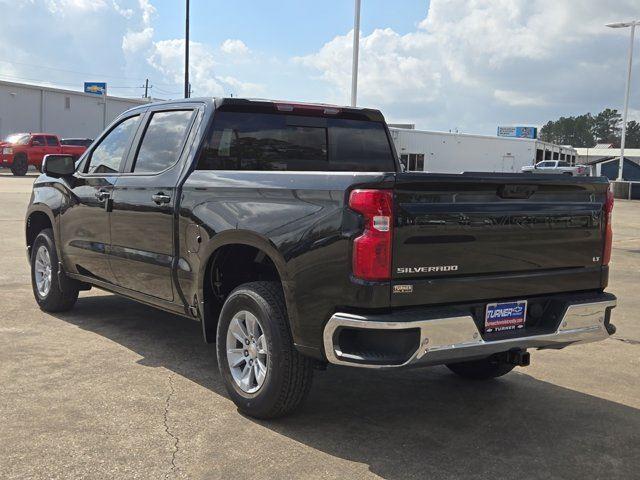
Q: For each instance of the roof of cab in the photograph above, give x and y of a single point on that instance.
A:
(219, 102)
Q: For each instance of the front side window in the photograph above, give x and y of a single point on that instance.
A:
(52, 141)
(38, 141)
(266, 141)
(162, 141)
(110, 152)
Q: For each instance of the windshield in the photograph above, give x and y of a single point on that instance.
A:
(18, 138)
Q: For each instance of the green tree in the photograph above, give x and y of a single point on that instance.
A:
(606, 126)
(576, 131)
(632, 139)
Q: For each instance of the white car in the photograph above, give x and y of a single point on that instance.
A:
(556, 166)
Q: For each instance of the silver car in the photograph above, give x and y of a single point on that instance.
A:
(558, 167)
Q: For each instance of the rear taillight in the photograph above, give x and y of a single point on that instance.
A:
(372, 249)
(608, 230)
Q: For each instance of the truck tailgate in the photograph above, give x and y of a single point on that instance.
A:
(494, 236)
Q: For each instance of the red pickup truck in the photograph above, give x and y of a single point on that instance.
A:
(20, 150)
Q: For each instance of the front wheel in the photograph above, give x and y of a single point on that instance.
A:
(53, 292)
(263, 372)
(20, 166)
(483, 369)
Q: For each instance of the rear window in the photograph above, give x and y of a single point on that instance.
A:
(264, 141)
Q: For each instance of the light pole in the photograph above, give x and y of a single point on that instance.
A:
(627, 88)
(356, 48)
(187, 89)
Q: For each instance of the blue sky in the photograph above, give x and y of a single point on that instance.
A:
(444, 64)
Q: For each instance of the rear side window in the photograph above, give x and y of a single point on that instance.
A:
(52, 141)
(108, 155)
(265, 141)
(162, 141)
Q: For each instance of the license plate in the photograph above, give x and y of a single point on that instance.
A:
(505, 316)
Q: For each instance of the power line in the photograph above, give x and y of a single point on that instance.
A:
(45, 67)
(46, 83)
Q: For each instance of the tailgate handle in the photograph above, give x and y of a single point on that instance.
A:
(517, 191)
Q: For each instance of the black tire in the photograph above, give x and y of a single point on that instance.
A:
(289, 374)
(63, 292)
(20, 166)
(568, 173)
(484, 369)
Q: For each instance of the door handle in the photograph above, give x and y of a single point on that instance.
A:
(160, 198)
(102, 195)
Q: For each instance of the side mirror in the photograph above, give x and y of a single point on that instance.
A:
(58, 165)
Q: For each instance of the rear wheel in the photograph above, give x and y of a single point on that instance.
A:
(265, 375)
(53, 292)
(19, 166)
(483, 369)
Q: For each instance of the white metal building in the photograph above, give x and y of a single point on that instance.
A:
(67, 113)
(442, 152)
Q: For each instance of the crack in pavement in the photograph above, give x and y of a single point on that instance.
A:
(168, 431)
(627, 340)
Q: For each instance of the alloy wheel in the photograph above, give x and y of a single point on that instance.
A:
(247, 352)
(43, 271)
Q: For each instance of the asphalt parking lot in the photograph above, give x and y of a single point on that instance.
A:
(115, 389)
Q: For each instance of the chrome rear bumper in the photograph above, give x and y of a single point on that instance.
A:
(457, 338)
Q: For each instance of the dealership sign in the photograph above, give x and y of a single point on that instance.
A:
(96, 88)
(518, 132)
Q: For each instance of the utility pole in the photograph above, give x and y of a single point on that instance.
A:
(356, 48)
(626, 91)
(146, 88)
(104, 109)
(187, 85)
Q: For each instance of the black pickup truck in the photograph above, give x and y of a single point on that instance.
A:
(291, 233)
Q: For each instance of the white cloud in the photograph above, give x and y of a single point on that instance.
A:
(135, 41)
(240, 88)
(475, 63)
(168, 58)
(234, 47)
(519, 99)
(64, 6)
(125, 12)
(148, 10)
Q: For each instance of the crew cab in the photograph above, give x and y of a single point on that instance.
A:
(290, 232)
(20, 150)
(556, 166)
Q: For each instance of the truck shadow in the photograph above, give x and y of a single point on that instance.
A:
(407, 424)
